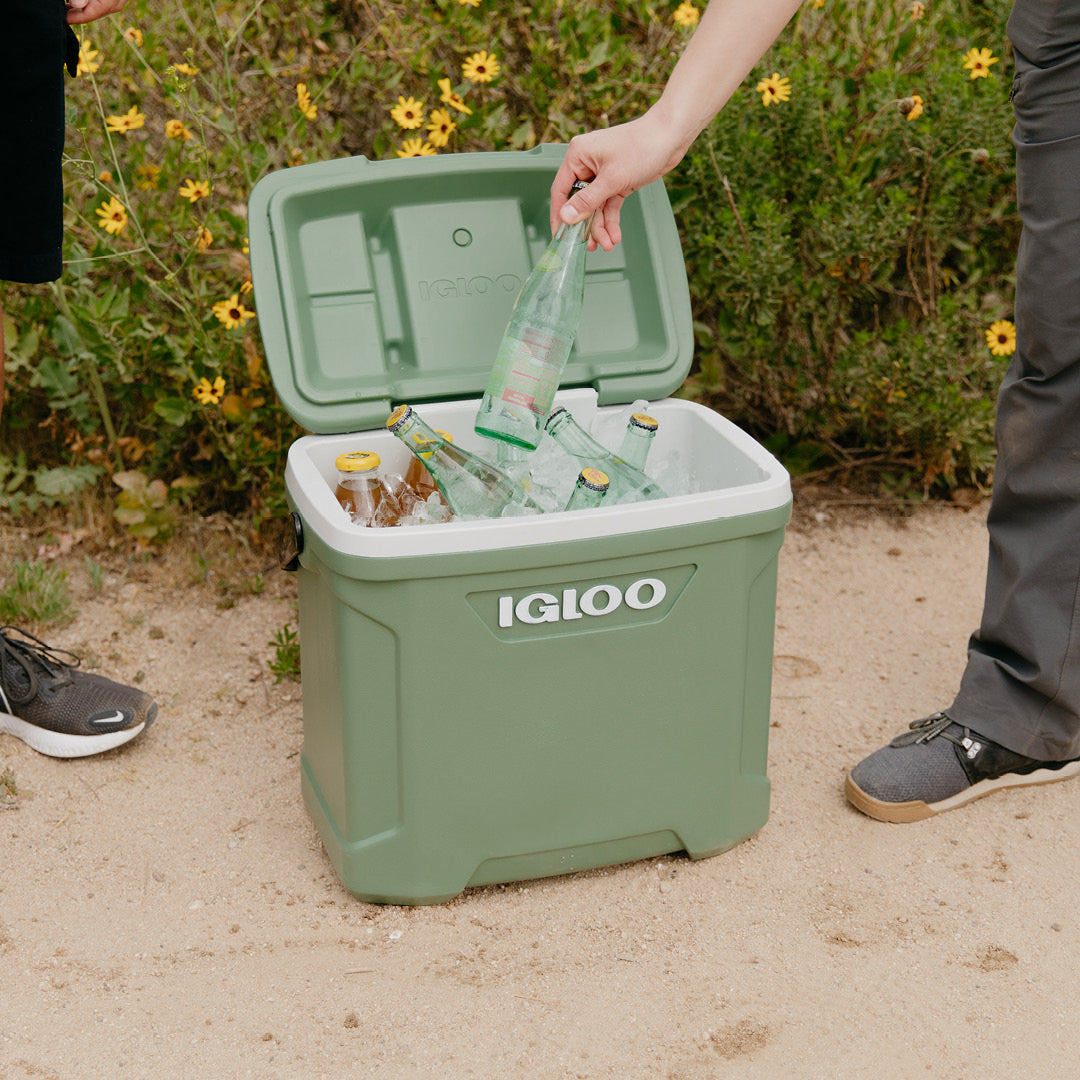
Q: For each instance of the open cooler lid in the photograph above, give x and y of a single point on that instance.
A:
(380, 282)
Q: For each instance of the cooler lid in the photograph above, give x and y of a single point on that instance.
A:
(380, 282)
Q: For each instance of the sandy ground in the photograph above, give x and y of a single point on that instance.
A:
(167, 908)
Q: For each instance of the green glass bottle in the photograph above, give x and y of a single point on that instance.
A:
(627, 483)
(640, 432)
(469, 484)
(589, 491)
(537, 342)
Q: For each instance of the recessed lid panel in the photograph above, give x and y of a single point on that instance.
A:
(390, 281)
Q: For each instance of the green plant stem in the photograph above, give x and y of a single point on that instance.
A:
(96, 385)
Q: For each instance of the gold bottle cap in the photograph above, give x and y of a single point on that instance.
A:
(357, 461)
(594, 479)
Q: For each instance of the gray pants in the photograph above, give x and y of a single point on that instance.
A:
(1021, 686)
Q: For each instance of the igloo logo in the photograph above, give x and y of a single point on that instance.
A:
(571, 604)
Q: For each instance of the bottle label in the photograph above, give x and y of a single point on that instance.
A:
(527, 370)
(550, 260)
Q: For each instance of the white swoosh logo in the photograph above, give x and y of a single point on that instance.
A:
(102, 720)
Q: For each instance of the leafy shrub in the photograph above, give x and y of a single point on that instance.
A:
(849, 247)
(843, 259)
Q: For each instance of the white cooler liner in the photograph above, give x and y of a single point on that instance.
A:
(737, 477)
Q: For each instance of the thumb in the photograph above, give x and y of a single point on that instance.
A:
(587, 198)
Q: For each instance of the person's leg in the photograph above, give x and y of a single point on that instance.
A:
(1021, 687)
(1016, 718)
(45, 700)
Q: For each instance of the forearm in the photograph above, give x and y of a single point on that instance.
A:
(730, 39)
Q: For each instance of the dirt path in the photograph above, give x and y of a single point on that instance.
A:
(167, 909)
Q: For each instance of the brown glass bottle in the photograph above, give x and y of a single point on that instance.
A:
(417, 476)
(362, 491)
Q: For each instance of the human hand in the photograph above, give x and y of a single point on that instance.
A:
(84, 11)
(616, 161)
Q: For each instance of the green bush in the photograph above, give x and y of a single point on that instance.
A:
(844, 260)
(848, 250)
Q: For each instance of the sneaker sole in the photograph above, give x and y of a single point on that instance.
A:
(58, 745)
(917, 810)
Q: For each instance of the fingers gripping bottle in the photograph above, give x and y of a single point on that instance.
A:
(628, 484)
(589, 491)
(537, 342)
(469, 484)
(362, 491)
(640, 432)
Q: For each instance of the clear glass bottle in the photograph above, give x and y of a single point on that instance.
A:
(469, 484)
(627, 483)
(537, 342)
(589, 491)
(362, 491)
(640, 432)
(417, 477)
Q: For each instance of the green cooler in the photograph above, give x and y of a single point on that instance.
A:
(486, 701)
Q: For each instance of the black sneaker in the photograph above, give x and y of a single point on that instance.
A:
(58, 710)
(939, 765)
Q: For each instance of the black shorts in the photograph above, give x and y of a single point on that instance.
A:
(37, 44)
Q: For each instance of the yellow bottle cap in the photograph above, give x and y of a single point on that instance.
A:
(357, 461)
(595, 479)
(397, 416)
(639, 419)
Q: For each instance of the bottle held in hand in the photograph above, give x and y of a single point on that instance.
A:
(537, 342)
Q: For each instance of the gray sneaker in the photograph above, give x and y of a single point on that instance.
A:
(939, 765)
(59, 710)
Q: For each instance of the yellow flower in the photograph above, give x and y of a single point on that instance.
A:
(817, 3)
(203, 239)
(194, 190)
(246, 286)
(470, 3)
(232, 313)
(415, 148)
(147, 174)
(131, 120)
(1001, 338)
(105, 176)
(448, 97)
(439, 127)
(912, 107)
(304, 102)
(918, 10)
(185, 69)
(113, 216)
(480, 67)
(296, 157)
(686, 14)
(774, 90)
(176, 129)
(408, 112)
(133, 35)
(87, 59)
(978, 62)
(209, 393)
